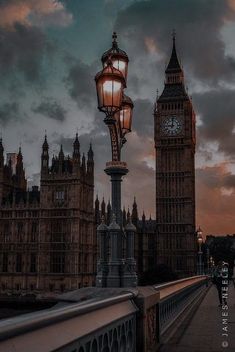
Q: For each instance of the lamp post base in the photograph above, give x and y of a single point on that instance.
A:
(113, 277)
(116, 170)
(102, 273)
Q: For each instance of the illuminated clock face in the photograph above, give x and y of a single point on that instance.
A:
(171, 126)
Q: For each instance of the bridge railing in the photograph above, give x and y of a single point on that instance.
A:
(105, 325)
(130, 320)
(175, 297)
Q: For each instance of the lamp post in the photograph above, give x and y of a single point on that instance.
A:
(118, 107)
(208, 260)
(211, 265)
(199, 240)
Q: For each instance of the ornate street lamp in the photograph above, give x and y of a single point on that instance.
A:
(199, 240)
(115, 271)
(119, 57)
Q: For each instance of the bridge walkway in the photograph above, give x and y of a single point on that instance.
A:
(202, 330)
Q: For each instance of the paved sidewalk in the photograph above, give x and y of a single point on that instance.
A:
(204, 332)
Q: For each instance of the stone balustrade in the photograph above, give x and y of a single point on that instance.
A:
(103, 319)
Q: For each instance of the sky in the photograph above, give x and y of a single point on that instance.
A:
(50, 52)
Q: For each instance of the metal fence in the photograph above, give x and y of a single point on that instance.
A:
(173, 305)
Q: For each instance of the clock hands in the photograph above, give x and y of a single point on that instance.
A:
(171, 126)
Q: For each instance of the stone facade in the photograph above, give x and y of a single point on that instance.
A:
(175, 140)
(47, 236)
(145, 236)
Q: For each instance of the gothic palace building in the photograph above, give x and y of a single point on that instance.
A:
(48, 239)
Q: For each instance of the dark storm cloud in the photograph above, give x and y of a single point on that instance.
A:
(216, 177)
(22, 50)
(81, 84)
(8, 112)
(229, 181)
(52, 109)
(198, 23)
(217, 110)
(23, 43)
(143, 117)
(98, 136)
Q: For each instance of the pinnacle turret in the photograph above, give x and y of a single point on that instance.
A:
(143, 217)
(45, 157)
(45, 146)
(90, 153)
(61, 153)
(19, 156)
(76, 148)
(97, 210)
(83, 162)
(109, 212)
(103, 207)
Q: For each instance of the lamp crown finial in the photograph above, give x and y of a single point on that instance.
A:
(114, 36)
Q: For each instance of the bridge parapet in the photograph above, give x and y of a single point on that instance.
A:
(109, 320)
(175, 297)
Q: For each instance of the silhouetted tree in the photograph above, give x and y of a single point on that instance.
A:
(222, 249)
(158, 274)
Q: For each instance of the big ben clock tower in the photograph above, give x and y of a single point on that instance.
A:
(174, 120)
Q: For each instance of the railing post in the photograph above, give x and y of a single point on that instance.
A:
(147, 319)
(158, 322)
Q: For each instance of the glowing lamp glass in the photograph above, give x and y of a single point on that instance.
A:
(109, 85)
(121, 65)
(124, 116)
(199, 238)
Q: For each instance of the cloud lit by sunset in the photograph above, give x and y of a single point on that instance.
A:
(30, 12)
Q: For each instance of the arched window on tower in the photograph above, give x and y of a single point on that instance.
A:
(18, 263)
(5, 262)
(20, 227)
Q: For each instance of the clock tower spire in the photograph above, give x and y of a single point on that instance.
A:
(174, 121)
(174, 72)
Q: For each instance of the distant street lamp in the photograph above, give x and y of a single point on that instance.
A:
(199, 240)
(211, 265)
(208, 260)
(115, 271)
